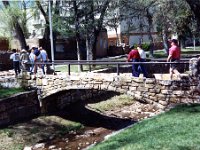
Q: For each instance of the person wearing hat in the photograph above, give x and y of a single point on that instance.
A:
(24, 57)
(174, 56)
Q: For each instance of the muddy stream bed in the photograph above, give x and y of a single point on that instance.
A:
(96, 125)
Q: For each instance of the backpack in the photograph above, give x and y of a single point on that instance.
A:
(36, 52)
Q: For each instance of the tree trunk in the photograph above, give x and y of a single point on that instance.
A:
(47, 29)
(18, 30)
(99, 27)
(165, 41)
(117, 40)
(150, 27)
(79, 56)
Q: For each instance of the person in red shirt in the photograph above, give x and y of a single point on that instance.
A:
(134, 56)
(174, 56)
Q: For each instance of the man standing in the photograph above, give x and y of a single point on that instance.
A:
(16, 61)
(44, 58)
(134, 56)
(141, 67)
(174, 56)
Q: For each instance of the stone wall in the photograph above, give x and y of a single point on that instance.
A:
(149, 90)
(10, 82)
(18, 108)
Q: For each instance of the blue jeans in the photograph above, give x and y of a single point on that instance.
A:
(135, 72)
(16, 66)
(141, 68)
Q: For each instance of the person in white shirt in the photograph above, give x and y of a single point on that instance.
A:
(141, 67)
(32, 60)
(16, 61)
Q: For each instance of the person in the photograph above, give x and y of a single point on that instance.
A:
(45, 58)
(24, 57)
(32, 60)
(174, 56)
(16, 61)
(37, 60)
(141, 67)
(134, 56)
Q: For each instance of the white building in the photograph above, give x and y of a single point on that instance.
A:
(130, 31)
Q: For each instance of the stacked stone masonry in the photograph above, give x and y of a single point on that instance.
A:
(19, 107)
(149, 90)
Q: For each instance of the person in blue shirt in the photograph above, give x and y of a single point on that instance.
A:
(16, 61)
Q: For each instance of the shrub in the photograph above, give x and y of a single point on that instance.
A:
(145, 46)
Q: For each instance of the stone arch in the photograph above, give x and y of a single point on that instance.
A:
(61, 99)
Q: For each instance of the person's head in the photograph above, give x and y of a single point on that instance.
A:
(14, 50)
(32, 50)
(139, 47)
(40, 48)
(23, 51)
(174, 42)
(133, 47)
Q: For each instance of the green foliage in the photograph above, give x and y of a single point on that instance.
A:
(176, 129)
(6, 92)
(145, 46)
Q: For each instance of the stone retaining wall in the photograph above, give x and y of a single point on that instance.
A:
(19, 107)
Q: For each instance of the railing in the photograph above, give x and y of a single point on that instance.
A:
(106, 62)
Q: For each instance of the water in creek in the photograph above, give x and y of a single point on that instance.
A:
(96, 127)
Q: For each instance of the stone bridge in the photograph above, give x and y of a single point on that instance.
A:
(67, 88)
(149, 90)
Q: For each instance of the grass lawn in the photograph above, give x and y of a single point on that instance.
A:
(184, 52)
(178, 129)
(6, 92)
(113, 103)
(74, 68)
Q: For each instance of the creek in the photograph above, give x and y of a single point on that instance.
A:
(96, 127)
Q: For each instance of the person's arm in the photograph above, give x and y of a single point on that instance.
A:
(11, 56)
(129, 57)
(169, 57)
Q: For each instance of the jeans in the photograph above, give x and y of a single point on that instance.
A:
(141, 68)
(16, 66)
(135, 72)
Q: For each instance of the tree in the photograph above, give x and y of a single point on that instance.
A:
(15, 24)
(195, 5)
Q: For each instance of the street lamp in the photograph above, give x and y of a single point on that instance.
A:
(51, 35)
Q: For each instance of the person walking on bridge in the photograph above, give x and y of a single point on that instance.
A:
(141, 67)
(16, 61)
(174, 56)
(134, 56)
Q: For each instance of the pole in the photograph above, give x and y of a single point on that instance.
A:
(51, 35)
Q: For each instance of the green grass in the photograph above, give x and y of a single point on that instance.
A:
(74, 68)
(113, 103)
(6, 92)
(178, 129)
(184, 52)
